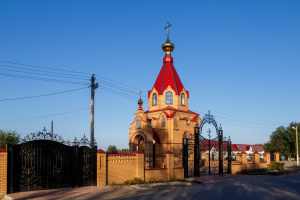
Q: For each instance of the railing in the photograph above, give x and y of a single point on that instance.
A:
(178, 160)
(154, 161)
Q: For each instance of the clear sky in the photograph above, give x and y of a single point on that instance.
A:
(240, 59)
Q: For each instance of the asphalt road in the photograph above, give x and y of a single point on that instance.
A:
(259, 187)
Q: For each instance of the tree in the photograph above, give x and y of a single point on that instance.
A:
(283, 140)
(112, 148)
(15, 137)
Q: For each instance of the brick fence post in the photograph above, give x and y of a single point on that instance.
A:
(276, 156)
(267, 157)
(140, 164)
(256, 157)
(3, 171)
(244, 158)
(101, 167)
(170, 164)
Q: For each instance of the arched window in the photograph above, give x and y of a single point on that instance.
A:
(182, 99)
(154, 99)
(169, 98)
(138, 123)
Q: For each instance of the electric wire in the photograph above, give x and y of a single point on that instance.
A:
(62, 113)
(42, 95)
(35, 66)
(44, 73)
(112, 86)
(43, 79)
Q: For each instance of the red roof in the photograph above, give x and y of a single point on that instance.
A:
(171, 108)
(168, 77)
(213, 143)
(246, 147)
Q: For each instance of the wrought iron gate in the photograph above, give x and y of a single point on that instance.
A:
(202, 156)
(43, 164)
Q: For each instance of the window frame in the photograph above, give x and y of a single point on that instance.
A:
(182, 99)
(154, 97)
(169, 97)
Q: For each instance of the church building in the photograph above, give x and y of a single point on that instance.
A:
(168, 119)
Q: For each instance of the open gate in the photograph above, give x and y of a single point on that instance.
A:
(41, 163)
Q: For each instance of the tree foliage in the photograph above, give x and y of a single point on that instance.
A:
(112, 148)
(15, 137)
(283, 140)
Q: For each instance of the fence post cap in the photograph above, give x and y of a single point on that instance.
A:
(255, 152)
(243, 152)
(267, 152)
(2, 150)
(138, 152)
(276, 152)
(168, 152)
(101, 151)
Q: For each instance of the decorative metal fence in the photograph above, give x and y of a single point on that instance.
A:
(154, 161)
(44, 161)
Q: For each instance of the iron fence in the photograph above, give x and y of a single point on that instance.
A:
(154, 161)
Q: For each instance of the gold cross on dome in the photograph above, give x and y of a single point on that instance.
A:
(167, 27)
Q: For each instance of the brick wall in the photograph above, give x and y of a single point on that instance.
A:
(3, 171)
(117, 168)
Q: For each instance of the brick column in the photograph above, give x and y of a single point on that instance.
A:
(170, 164)
(267, 157)
(140, 164)
(276, 156)
(101, 167)
(238, 157)
(207, 159)
(3, 171)
(256, 157)
(244, 158)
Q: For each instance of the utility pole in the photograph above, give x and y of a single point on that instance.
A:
(93, 88)
(297, 143)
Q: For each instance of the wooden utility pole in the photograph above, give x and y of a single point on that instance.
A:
(93, 88)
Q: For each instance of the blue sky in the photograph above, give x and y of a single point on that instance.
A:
(240, 59)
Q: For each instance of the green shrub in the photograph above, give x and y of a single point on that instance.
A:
(252, 171)
(275, 166)
(136, 180)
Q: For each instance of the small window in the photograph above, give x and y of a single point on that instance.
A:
(169, 98)
(154, 99)
(182, 99)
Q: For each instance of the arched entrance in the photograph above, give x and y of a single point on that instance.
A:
(139, 143)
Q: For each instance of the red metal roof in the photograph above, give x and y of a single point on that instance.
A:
(168, 77)
(171, 108)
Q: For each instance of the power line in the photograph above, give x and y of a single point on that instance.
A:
(35, 66)
(43, 79)
(42, 95)
(62, 113)
(44, 73)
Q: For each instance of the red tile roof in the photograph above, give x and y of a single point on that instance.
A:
(246, 147)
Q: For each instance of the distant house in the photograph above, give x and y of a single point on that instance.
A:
(249, 149)
(235, 148)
